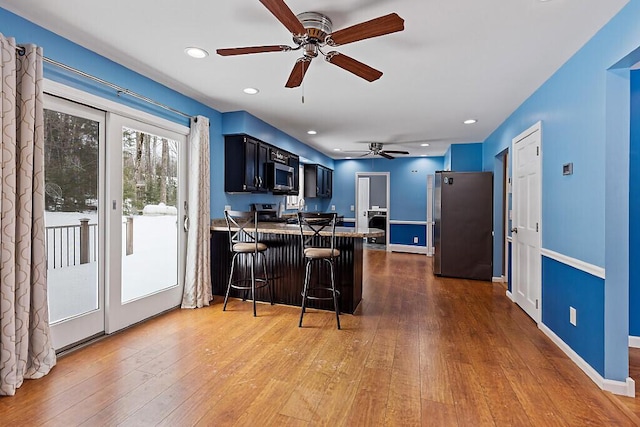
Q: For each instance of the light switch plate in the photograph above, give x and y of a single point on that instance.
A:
(333, 207)
(353, 208)
(227, 207)
(573, 316)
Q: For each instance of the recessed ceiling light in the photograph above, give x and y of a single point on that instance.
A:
(424, 145)
(423, 155)
(336, 149)
(312, 132)
(348, 157)
(196, 52)
(250, 90)
(470, 121)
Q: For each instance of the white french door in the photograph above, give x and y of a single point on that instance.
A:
(526, 231)
(115, 192)
(145, 220)
(74, 219)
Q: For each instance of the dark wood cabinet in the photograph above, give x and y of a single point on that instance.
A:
(318, 181)
(245, 164)
(294, 162)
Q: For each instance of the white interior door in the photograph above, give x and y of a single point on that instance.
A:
(362, 205)
(526, 230)
(145, 233)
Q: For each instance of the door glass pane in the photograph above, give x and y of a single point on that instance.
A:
(149, 222)
(71, 216)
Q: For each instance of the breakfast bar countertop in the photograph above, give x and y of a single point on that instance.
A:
(294, 229)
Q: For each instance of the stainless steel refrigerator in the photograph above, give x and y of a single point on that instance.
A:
(463, 232)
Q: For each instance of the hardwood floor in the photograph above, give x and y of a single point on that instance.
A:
(419, 351)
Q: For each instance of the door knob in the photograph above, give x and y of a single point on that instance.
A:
(514, 230)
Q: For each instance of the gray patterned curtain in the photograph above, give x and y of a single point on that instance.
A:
(197, 281)
(26, 350)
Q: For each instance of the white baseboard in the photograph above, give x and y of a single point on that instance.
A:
(510, 296)
(408, 248)
(623, 388)
(498, 279)
(634, 341)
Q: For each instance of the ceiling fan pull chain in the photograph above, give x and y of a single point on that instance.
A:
(303, 92)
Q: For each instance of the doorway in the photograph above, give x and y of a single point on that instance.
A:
(114, 193)
(527, 212)
(372, 205)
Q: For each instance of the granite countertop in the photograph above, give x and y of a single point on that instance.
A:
(294, 229)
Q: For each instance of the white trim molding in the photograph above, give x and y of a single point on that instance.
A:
(500, 279)
(510, 296)
(509, 239)
(634, 342)
(575, 263)
(623, 388)
(408, 248)
(395, 221)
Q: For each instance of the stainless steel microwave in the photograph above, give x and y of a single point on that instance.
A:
(279, 177)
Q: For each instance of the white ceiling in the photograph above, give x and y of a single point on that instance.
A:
(456, 59)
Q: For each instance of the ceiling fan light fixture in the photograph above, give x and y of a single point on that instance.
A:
(196, 52)
(470, 121)
(250, 90)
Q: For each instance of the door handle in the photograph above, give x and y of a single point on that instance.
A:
(514, 230)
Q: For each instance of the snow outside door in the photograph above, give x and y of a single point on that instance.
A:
(527, 286)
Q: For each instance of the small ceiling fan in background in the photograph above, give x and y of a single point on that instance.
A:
(377, 149)
(312, 31)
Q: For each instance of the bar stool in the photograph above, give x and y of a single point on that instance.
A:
(243, 241)
(319, 249)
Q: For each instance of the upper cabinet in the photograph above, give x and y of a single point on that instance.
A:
(253, 166)
(318, 181)
(245, 164)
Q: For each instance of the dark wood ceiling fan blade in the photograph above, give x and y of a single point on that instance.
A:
(251, 49)
(298, 72)
(353, 66)
(396, 152)
(281, 11)
(365, 30)
(385, 155)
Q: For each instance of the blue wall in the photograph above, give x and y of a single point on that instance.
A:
(466, 157)
(585, 215)
(563, 287)
(407, 186)
(634, 208)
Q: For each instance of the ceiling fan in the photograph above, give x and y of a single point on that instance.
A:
(312, 31)
(376, 149)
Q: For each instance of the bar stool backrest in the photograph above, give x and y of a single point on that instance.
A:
(317, 223)
(243, 227)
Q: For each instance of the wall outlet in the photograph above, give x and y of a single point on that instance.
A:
(333, 207)
(415, 239)
(573, 316)
(352, 208)
(227, 207)
(316, 208)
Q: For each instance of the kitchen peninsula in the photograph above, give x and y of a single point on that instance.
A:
(286, 264)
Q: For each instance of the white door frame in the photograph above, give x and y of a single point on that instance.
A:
(535, 313)
(388, 179)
